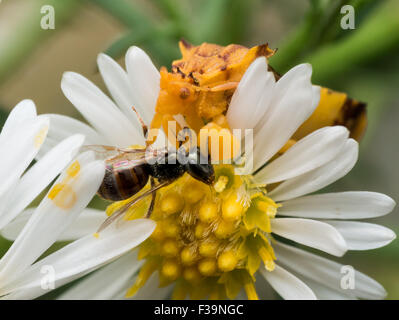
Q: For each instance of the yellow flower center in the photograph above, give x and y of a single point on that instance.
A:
(209, 241)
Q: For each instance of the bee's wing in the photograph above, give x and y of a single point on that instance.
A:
(119, 213)
(106, 152)
(116, 157)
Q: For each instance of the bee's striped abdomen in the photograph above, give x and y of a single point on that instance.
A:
(120, 184)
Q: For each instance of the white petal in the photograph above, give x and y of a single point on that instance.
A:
(87, 223)
(315, 234)
(246, 109)
(327, 272)
(23, 111)
(339, 205)
(119, 86)
(63, 126)
(316, 96)
(144, 78)
(40, 176)
(309, 153)
(107, 282)
(19, 149)
(53, 216)
(81, 257)
(99, 110)
(320, 177)
(14, 228)
(47, 145)
(362, 235)
(290, 106)
(323, 292)
(287, 285)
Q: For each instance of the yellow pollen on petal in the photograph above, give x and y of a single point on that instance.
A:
(40, 136)
(63, 196)
(73, 169)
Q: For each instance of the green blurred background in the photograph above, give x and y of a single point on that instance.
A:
(363, 62)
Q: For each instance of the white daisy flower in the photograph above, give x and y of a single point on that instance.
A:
(201, 249)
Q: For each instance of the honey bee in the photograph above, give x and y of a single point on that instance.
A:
(127, 171)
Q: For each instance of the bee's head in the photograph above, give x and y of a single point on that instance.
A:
(200, 167)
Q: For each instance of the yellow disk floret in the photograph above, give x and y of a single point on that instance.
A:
(170, 269)
(188, 256)
(208, 212)
(191, 274)
(171, 228)
(170, 248)
(224, 229)
(210, 243)
(227, 261)
(232, 208)
(208, 248)
(207, 267)
(193, 193)
(200, 230)
(158, 234)
(171, 203)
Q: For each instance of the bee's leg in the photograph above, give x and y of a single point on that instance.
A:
(153, 196)
(143, 125)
